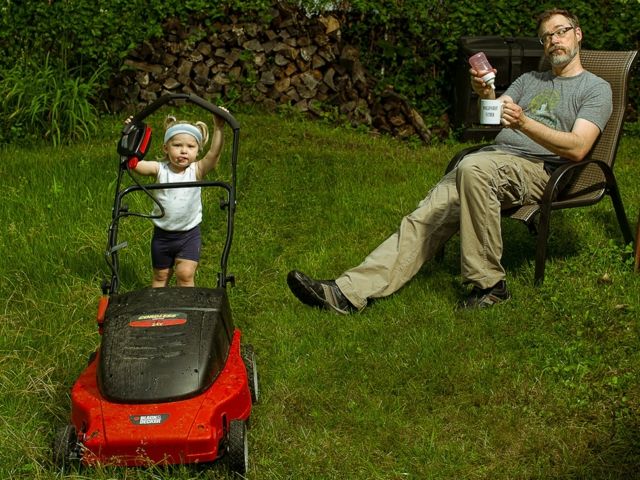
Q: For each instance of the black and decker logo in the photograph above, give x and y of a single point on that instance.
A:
(156, 419)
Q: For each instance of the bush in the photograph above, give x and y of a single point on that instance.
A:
(86, 33)
(412, 45)
(46, 100)
(58, 99)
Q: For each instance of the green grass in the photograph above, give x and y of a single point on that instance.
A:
(544, 386)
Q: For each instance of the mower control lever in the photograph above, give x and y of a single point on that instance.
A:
(134, 144)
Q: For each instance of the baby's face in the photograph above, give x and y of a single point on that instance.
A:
(181, 149)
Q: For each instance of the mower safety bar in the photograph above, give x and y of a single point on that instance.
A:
(113, 246)
(164, 186)
(233, 123)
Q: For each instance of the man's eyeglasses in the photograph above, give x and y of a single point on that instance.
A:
(560, 33)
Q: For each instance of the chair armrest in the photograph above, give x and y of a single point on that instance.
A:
(563, 175)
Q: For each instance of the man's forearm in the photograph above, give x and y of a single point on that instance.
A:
(567, 145)
(573, 145)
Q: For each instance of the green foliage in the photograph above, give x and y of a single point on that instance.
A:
(45, 100)
(413, 44)
(89, 40)
(86, 33)
(410, 44)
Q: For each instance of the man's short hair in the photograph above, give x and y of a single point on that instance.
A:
(547, 14)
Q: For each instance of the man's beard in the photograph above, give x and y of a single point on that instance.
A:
(562, 60)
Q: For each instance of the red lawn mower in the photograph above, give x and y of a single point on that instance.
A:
(171, 382)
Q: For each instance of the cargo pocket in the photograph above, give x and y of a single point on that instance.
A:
(511, 185)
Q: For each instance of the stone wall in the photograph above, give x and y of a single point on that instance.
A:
(295, 60)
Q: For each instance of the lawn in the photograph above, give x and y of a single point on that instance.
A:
(543, 386)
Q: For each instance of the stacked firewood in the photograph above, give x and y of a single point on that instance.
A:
(295, 60)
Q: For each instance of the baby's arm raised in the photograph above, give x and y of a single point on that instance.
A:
(212, 157)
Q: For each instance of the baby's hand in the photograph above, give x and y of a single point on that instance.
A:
(128, 120)
(219, 121)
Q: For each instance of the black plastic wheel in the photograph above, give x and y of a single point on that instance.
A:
(249, 359)
(238, 447)
(65, 447)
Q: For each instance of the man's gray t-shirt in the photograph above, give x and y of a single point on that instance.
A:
(556, 102)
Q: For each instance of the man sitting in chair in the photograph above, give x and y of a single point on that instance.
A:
(548, 118)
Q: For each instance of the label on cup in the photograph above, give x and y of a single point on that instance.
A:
(490, 112)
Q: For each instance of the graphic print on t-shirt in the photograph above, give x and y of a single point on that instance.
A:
(543, 108)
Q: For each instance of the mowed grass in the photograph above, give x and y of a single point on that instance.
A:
(543, 386)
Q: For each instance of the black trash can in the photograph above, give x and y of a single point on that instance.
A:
(511, 56)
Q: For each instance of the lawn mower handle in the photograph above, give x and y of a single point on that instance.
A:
(233, 123)
(117, 212)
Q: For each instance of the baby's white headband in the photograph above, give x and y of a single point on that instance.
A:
(183, 128)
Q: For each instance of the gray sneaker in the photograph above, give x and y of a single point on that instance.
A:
(487, 297)
(323, 294)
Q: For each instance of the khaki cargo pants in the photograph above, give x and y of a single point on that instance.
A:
(469, 199)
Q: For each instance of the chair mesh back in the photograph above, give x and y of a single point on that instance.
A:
(615, 68)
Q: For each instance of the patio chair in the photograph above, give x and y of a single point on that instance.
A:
(592, 178)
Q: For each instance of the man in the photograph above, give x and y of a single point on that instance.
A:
(548, 118)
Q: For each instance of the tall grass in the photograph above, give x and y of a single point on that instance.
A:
(543, 386)
(47, 101)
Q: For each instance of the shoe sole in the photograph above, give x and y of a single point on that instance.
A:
(308, 296)
(302, 293)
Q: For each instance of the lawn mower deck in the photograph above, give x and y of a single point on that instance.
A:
(167, 382)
